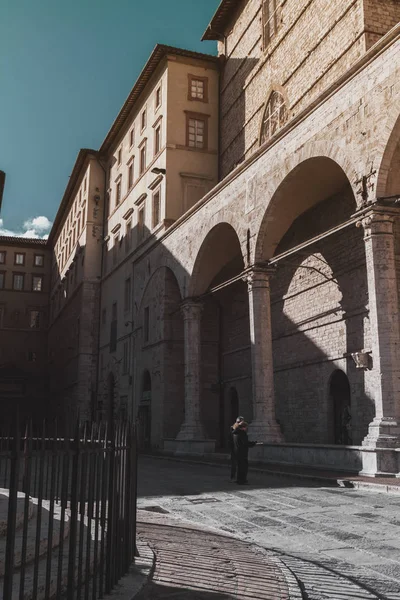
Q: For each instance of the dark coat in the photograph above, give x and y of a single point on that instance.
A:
(241, 443)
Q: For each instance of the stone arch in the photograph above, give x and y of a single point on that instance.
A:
(219, 252)
(168, 264)
(306, 179)
(387, 183)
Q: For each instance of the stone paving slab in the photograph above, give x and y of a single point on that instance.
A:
(196, 563)
(340, 542)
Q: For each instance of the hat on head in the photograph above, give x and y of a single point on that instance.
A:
(239, 419)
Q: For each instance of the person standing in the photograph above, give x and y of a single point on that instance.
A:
(232, 448)
(241, 445)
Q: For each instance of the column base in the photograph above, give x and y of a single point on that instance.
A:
(263, 431)
(379, 462)
(190, 431)
(382, 433)
(198, 447)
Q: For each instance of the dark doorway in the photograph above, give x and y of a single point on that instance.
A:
(144, 413)
(340, 401)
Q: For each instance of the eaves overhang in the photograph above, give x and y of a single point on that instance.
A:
(220, 20)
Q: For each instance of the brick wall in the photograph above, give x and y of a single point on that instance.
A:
(317, 41)
(319, 309)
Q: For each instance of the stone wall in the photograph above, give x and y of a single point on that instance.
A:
(319, 307)
(317, 41)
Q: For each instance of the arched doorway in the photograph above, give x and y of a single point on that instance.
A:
(340, 401)
(225, 330)
(144, 413)
(319, 256)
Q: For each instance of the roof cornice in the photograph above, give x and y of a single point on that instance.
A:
(221, 18)
(14, 240)
(159, 53)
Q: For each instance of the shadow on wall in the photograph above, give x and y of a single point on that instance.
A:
(318, 319)
(234, 102)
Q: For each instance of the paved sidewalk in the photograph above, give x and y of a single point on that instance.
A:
(389, 485)
(196, 563)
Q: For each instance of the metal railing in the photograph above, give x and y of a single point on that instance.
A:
(71, 517)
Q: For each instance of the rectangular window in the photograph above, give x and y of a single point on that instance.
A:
(132, 137)
(2, 258)
(104, 316)
(141, 222)
(38, 260)
(158, 97)
(146, 324)
(19, 258)
(114, 311)
(2, 280)
(128, 234)
(270, 20)
(143, 119)
(143, 158)
(118, 193)
(198, 88)
(34, 319)
(18, 281)
(156, 208)
(196, 133)
(125, 359)
(130, 175)
(84, 184)
(127, 295)
(37, 283)
(119, 156)
(157, 139)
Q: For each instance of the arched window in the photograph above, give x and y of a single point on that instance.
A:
(275, 116)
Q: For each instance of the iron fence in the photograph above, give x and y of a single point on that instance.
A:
(67, 511)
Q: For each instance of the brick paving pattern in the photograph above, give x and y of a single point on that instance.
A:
(193, 564)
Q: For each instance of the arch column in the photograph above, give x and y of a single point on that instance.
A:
(264, 426)
(378, 222)
(192, 428)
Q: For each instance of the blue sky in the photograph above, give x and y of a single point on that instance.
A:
(66, 67)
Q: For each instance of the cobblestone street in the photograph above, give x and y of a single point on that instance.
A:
(340, 543)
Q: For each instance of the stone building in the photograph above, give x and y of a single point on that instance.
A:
(76, 239)
(24, 284)
(282, 280)
(242, 243)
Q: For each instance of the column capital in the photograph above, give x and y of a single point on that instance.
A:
(258, 275)
(377, 219)
(191, 308)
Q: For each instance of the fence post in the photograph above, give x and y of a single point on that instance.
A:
(12, 510)
(74, 515)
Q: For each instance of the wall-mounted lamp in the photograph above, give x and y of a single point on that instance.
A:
(158, 171)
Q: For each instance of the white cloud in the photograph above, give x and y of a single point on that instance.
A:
(36, 227)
